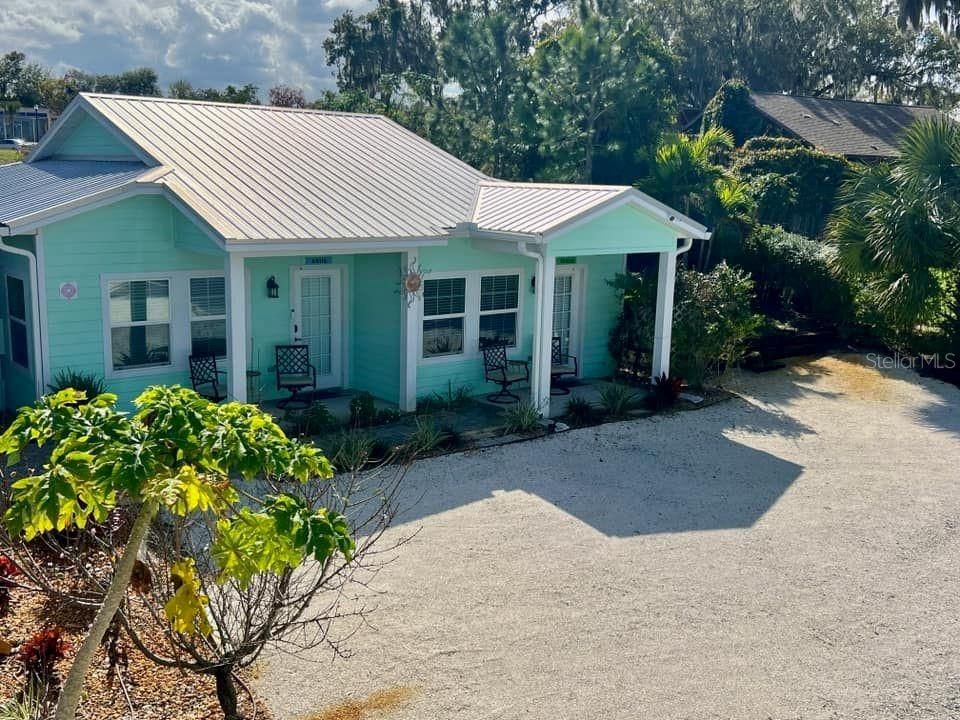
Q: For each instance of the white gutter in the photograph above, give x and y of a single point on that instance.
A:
(35, 315)
(687, 244)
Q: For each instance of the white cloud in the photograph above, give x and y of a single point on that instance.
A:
(208, 42)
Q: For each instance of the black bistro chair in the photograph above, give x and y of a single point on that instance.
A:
(561, 364)
(295, 373)
(205, 377)
(499, 369)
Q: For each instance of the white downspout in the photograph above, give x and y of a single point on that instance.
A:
(35, 315)
(537, 320)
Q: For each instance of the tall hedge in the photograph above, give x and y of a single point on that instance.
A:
(795, 186)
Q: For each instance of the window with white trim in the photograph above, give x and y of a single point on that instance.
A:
(208, 316)
(444, 315)
(499, 306)
(17, 321)
(139, 315)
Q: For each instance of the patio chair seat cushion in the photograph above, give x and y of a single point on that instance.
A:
(515, 375)
(563, 368)
(296, 379)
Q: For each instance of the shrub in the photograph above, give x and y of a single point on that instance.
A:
(520, 418)
(580, 411)
(363, 410)
(618, 400)
(313, 420)
(666, 391)
(455, 398)
(792, 275)
(42, 651)
(29, 704)
(352, 451)
(90, 383)
(425, 438)
(712, 320)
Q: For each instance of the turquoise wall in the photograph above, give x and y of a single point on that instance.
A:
(436, 375)
(626, 229)
(135, 235)
(18, 382)
(601, 309)
(378, 310)
(89, 138)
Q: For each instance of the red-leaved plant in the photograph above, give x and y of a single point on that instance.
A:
(41, 652)
(8, 569)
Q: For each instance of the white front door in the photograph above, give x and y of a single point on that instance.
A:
(316, 320)
(566, 308)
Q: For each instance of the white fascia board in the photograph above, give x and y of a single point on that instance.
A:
(331, 247)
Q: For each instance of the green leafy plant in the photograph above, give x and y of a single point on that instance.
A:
(40, 653)
(184, 454)
(363, 410)
(618, 400)
(89, 383)
(313, 420)
(353, 451)
(29, 704)
(523, 417)
(425, 438)
(580, 412)
(666, 392)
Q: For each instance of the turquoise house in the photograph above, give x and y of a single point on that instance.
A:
(144, 230)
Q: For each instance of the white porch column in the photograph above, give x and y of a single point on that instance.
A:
(540, 390)
(410, 335)
(236, 327)
(666, 279)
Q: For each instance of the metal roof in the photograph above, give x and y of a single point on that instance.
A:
(27, 189)
(258, 173)
(536, 209)
(845, 127)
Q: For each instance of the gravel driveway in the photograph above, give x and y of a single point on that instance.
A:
(791, 554)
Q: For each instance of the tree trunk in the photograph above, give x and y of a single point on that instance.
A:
(73, 686)
(226, 691)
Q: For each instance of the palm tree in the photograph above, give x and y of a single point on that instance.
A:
(686, 173)
(897, 226)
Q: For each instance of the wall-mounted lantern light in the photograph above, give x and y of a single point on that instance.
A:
(273, 290)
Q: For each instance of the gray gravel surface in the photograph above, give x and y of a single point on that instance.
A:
(790, 554)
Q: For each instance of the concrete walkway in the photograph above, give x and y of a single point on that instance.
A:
(791, 555)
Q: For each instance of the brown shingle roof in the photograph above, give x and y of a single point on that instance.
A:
(844, 127)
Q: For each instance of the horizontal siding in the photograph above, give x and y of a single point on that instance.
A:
(130, 236)
(624, 230)
(377, 307)
(89, 138)
(601, 308)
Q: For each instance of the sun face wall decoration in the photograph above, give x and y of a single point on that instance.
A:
(412, 282)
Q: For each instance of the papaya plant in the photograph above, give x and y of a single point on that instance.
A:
(182, 456)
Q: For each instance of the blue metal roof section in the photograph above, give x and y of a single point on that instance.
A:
(30, 188)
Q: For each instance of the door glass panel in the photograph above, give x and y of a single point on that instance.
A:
(563, 310)
(316, 320)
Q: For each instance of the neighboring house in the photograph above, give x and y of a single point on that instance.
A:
(142, 230)
(26, 123)
(862, 131)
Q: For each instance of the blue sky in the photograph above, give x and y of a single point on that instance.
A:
(208, 42)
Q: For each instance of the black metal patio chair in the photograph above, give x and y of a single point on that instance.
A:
(499, 369)
(205, 377)
(295, 373)
(561, 364)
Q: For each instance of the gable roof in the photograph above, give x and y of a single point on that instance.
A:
(539, 208)
(844, 127)
(258, 174)
(30, 189)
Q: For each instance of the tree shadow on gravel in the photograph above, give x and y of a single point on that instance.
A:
(668, 474)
